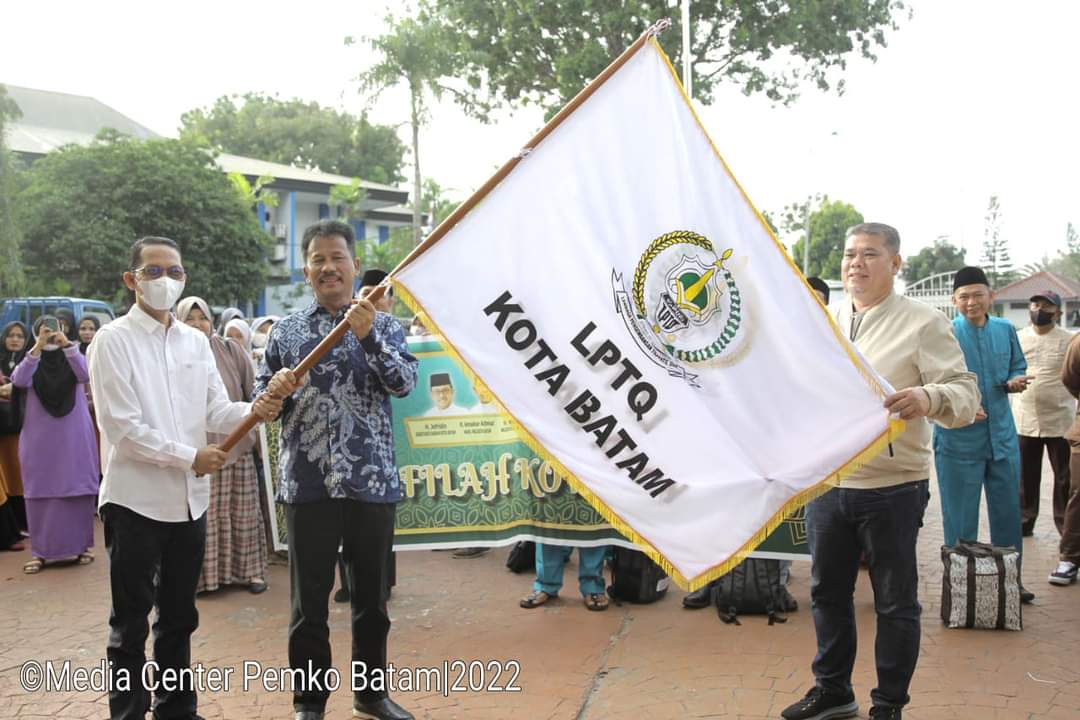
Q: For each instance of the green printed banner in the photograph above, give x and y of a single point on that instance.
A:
(468, 480)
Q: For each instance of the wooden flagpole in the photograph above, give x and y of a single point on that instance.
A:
(335, 336)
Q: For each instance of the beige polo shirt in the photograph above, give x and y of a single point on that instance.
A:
(1045, 409)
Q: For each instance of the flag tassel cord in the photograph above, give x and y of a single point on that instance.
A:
(330, 341)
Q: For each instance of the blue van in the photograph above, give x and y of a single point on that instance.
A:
(27, 310)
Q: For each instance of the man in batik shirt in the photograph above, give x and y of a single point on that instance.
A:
(338, 478)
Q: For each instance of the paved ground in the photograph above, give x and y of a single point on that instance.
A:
(655, 661)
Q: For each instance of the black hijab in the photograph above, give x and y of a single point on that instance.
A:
(11, 412)
(97, 326)
(54, 381)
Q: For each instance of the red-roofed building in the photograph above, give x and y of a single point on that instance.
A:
(1011, 301)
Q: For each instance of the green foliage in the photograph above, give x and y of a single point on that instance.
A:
(386, 255)
(350, 198)
(253, 194)
(940, 257)
(84, 206)
(829, 223)
(420, 54)
(1067, 262)
(995, 260)
(12, 280)
(298, 133)
(545, 51)
(437, 205)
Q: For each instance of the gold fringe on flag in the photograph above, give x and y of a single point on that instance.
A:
(895, 429)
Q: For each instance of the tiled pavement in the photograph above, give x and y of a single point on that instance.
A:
(655, 661)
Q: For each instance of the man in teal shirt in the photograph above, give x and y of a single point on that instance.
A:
(985, 453)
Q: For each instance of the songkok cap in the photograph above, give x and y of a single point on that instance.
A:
(440, 379)
(372, 277)
(820, 285)
(969, 276)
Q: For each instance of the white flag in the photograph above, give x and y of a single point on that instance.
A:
(626, 303)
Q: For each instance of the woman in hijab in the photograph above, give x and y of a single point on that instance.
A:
(260, 334)
(88, 327)
(13, 344)
(57, 450)
(239, 332)
(67, 323)
(236, 549)
(226, 315)
(12, 402)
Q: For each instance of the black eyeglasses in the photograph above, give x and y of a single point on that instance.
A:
(156, 272)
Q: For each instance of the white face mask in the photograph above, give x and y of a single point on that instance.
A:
(50, 347)
(258, 340)
(161, 294)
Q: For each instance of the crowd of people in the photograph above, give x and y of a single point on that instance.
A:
(128, 420)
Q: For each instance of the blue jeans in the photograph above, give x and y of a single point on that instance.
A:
(961, 482)
(883, 525)
(549, 568)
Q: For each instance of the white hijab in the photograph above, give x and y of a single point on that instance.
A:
(245, 331)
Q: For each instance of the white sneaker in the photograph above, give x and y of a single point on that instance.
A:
(1064, 574)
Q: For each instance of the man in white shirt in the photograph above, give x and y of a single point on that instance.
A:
(157, 392)
(1045, 412)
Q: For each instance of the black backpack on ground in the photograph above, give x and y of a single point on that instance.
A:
(753, 587)
(522, 556)
(635, 578)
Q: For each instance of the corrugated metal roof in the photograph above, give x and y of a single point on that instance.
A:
(1023, 289)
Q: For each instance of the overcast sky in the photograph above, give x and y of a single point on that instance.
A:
(970, 98)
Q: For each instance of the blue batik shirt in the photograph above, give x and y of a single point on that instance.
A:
(993, 353)
(337, 431)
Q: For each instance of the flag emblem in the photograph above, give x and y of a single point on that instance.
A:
(687, 307)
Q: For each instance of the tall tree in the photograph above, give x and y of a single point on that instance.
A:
(11, 272)
(544, 51)
(295, 132)
(940, 257)
(995, 258)
(1067, 262)
(437, 205)
(828, 223)
(418, 54)
(84, 206)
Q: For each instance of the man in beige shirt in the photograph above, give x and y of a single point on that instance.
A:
(877, 511)
(1045, 411)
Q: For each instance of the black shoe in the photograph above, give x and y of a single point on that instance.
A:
(1026, 596)
(700, 598)
(470, 552)
(342, 596)
(820, 705)
(382, 709)
(885, 713)
(309, 715)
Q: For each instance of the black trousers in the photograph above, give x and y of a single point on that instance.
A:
(151, 564)
(1031, 460)
(365, 532)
